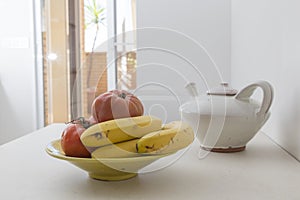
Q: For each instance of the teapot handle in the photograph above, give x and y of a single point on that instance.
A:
(247, 92)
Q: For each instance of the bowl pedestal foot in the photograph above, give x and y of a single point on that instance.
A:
(117, 177)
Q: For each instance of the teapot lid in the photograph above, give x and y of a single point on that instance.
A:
(223, 89)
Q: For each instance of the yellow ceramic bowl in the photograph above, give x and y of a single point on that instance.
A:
(111, 169)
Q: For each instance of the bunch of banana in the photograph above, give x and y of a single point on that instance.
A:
(172, 137)
(136, 136)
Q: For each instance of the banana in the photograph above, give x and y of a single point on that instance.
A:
(173, 136)
(119, 150)
(119, 130)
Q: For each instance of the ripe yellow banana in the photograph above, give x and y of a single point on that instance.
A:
(173, 136)
(119, 150)
(119, 130)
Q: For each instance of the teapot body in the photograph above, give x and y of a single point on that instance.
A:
(225, 123)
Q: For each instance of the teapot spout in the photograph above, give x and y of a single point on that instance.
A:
(191, 87)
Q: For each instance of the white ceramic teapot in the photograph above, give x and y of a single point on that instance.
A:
(226, 120)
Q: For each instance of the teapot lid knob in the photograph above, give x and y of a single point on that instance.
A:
(224, 89)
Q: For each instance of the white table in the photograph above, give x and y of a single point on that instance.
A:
(263, 171)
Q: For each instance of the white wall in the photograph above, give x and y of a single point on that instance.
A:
(266, 45)
(17, 75)
(170, 51)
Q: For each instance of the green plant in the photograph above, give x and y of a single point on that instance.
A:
(94, 16)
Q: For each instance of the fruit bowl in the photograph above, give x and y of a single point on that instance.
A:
(109, 169)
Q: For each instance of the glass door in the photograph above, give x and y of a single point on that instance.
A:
(56, 62)
(88, 48)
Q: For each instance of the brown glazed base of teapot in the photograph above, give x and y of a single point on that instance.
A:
(224, 150)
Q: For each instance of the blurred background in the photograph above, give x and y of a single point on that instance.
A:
(56, 55)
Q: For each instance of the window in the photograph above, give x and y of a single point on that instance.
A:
(81, 58)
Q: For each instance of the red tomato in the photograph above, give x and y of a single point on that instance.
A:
(71, 143)
(116, 104)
